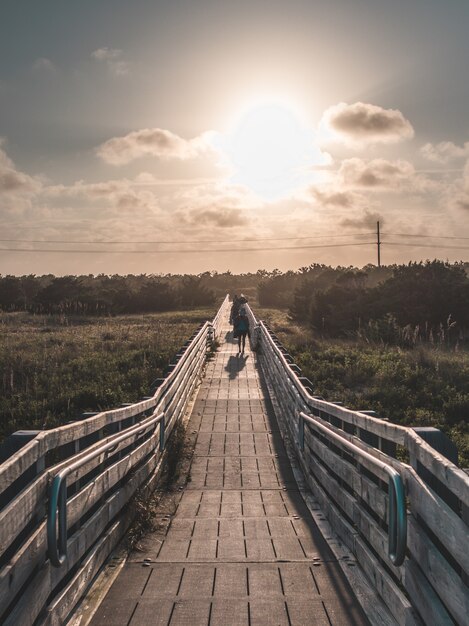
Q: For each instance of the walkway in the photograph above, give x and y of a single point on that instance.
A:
(240, 548)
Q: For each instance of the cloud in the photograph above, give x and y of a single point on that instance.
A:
(218, 205)
(13, 181)
(458, 192)
(112, 58)
(221, 217)
(42, 64)
(362, 123)
(120, 194)
(444, 151)
(334, 198)
(382, 175)
(368, 219)
(152, 142)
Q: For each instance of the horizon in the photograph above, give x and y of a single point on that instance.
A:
(190, 124)
(214, 272)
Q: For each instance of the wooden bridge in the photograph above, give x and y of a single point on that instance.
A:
(293, 510)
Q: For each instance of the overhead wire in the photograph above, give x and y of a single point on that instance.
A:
(424, 236)
(417, 245)
(184, 251)
(198, 241)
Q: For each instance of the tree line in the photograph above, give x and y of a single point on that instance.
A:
(397, 304)
(102, 295)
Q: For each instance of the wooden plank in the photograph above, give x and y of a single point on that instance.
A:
(369, 465)
(363, 522)
(21, 511)
(396, 601)
(82, 501)
(386, 430)
(34, 597)
(30, 556)
(63, 605)
(371, 493)
(443, 522)
(56, 437)
(31, 500)
(424, 597)
(33, 553)
(20, 462)
(451, 476)
(445, 581)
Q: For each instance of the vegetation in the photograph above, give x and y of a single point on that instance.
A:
(55, 367)
(424, 385)
(102, 295)
(393, 339)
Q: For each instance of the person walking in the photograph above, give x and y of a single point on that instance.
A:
(241, 329)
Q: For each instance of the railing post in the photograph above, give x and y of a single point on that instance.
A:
(162, 432)
(57, 547)
(301, 432)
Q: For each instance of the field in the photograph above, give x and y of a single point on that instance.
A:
(55, 367)
(427, 385)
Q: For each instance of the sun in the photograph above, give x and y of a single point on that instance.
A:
(269, 150)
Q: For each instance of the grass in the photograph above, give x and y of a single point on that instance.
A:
(53, 368)
(424, 386)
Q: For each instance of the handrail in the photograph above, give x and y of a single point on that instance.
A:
(397, 525)
(57, 525)
(57, 507)
(397, 531)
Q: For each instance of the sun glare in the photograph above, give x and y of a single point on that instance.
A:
(269, 150)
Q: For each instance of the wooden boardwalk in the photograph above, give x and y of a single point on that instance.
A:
(239, 546)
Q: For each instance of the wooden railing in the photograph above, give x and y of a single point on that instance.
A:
(430, 586)
(104, 469)
(98, 490)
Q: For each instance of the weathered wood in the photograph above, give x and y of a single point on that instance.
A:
(366, 526)
(139, 464)
(445, 581)
(28, 558)
(66, 601)
(451, 476)
(371, 467)
(447, 526)
(33, 553)
(424, 597)
(35, 596)
(396, 601)
(21, 511)
(368, 491)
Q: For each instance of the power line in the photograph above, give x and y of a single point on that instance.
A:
(199, 241)
(207, 250)
(425, 236)
(417, 245)
(204, 241)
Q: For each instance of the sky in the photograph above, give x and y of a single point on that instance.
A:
(213, 135)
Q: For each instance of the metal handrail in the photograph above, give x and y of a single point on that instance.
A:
(57, 514)
(397, 524)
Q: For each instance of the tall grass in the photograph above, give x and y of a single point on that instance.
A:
(53, 368)
(423, 384)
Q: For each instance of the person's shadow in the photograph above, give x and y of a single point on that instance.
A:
(235, 365)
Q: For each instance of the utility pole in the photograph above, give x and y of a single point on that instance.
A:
(378, 243)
